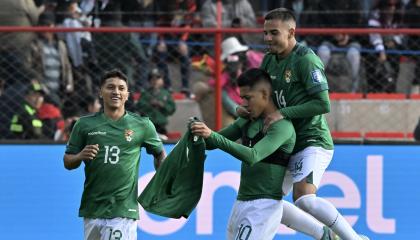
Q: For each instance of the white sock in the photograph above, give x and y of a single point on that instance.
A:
(300, 221)
(326, 213)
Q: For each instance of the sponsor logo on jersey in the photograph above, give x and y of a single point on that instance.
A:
(287, 75)
(316, 76)
(128, 135)
(96, 133)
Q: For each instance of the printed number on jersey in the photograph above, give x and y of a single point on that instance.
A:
(281, 101)
(112, 154)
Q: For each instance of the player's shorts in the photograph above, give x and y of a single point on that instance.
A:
(311, 162)
(255, 220)
(110, 229)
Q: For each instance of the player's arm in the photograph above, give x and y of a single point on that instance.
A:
(319, 104)
(231, 132)
(312, 77)
(77, 150)
(72, 161)
(277, 134)
(153, 144)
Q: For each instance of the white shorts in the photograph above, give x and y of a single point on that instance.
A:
(313, 160)
(110, 229)
(255, 220)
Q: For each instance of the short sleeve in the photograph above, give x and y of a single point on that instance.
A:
(152, 142)
(312, 74)
(77, 141)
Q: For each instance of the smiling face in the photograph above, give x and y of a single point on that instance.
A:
(279, 36)
(114, 93)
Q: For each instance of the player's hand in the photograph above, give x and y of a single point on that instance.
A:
(242, 112)
(270, 119)
(89, 152)
(200, 129)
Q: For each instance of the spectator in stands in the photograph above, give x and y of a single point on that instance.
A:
(341, 57)
(306, 12)
(157, 103)
(117, 50)
(71, 113)
(412, 20)
(79, 45)
(231, 9)
(91, 104)
(50, 115)
(142, 13)
(235, 13)
(14, 46)
(179, 13)
(236, 58)
(341, 53)
(49, 58)
(25, 123)
(381, 74)
(13, 95)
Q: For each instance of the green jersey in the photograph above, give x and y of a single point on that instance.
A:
(264, 158)
(295, 80)
(110, 188)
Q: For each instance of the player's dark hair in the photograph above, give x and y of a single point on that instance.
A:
(114, 73)
(252, 77)
(282, 14)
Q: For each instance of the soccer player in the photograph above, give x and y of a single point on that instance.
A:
(257, 212)
(109, 144)
(301, 93)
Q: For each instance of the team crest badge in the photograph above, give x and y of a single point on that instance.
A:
(287, 75)
(128, 135)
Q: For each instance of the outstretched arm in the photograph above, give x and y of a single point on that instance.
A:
(251, 155)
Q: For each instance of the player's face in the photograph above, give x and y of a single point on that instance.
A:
(279, 36)
(114, 93)
(253, 100)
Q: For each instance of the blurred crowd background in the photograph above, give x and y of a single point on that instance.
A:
(49, 79)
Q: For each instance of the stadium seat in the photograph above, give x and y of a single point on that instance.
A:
(385, 135)
(173, 136)
(415, 96)
(178, 96)
(385, 96)
(346, 96)
(346, 135)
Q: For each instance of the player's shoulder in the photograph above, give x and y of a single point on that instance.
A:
(91, 117)
(303, 51)
(137, 118)
(281, 124)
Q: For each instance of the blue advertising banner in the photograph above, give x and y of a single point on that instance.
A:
(374, 187)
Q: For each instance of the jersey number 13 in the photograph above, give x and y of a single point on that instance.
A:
(112, 154)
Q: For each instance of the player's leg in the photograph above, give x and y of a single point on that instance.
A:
(307, 168)
(119, 228)
(298, 220)
(255, 219)
(91, 229)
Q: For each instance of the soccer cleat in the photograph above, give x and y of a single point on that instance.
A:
(329, 234)
(363, 237)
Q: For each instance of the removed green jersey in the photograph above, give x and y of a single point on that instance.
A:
(110, 188)
(175, 189)
(294, 79)
(264, 158)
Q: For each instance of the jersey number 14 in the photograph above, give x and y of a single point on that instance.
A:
(281, 101)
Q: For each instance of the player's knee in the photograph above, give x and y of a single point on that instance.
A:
(307, 203)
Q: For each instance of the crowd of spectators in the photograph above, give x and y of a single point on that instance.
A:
(51, 79)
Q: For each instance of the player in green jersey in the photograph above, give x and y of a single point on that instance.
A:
(109, 143)
(264, 154)
(301, 93)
